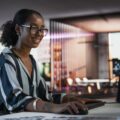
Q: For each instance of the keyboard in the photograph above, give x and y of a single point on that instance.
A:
(95, 104)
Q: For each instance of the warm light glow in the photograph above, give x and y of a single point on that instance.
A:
(70, 81)
(98, 85)
(78, 80)
(85, 79)
(89, 89)
(79, 93)
(71, 35)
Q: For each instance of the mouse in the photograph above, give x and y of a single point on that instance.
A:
(81, 112)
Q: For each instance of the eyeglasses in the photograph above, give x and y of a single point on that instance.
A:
(35, 29)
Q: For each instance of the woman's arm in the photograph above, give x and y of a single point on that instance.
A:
(70, 107)
(12, 94)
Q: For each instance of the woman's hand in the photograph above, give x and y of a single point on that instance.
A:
(70, 108)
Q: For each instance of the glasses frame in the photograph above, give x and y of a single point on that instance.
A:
(38, 29)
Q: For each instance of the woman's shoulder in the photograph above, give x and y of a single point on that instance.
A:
(8, 55)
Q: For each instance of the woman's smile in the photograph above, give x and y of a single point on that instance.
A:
(37, 40)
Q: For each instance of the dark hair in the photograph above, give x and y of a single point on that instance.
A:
(9, 36)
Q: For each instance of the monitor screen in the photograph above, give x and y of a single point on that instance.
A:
(116, 66)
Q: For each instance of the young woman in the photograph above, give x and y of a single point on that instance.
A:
(21, 86)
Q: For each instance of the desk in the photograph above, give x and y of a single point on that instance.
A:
(110, 111)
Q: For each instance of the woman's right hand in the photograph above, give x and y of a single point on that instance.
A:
(74, 107)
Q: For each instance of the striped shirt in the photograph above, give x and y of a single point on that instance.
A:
(17, 87)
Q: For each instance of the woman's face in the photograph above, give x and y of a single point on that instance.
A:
(32, 32)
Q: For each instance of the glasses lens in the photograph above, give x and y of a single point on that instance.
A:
(35, 30)
(44, 31)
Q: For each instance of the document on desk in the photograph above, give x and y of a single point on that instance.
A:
(50, 116)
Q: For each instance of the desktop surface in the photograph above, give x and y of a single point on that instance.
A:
(110, 111)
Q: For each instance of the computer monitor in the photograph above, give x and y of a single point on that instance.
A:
(116, 71)
(116, 66)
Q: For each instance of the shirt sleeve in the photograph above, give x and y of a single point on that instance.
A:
(12, 95)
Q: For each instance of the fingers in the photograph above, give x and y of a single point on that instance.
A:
(76, 108)
(81, 106)
(69, 110)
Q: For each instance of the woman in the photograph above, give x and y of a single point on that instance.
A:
(21, 86)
